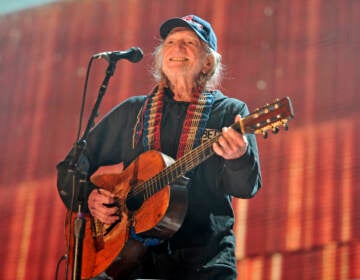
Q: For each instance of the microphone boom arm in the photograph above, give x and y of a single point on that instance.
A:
(109, 73)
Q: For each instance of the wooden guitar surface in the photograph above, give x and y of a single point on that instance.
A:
(99, 253)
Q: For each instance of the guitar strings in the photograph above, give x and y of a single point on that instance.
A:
(179, 167)
(163, 178)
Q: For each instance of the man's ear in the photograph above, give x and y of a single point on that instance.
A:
(208, 64)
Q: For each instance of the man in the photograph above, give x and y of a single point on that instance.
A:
(183, 111)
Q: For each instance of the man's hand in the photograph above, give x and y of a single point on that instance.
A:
(231, 144)
(102, 206)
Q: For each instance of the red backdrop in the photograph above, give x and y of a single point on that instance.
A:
(304, 223)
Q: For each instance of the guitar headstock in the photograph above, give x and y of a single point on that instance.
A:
(269, 117)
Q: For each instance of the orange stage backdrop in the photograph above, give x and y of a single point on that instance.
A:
(304, 223)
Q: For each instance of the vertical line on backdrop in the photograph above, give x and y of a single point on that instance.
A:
(275, 203)
(326, 171)
(242, 268)
(295, 191)
(312, 30)
(328, 264)
(50, 229)
(309, 189)
(10, 263)
(241, 211)
(129, 38)
(346, 206)
(219, 21)
(354, 260)
(276, 266)
(42, 89)
(344, 263)
(26, 199)
(257, 268)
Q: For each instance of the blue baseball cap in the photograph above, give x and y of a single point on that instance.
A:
(201, 27)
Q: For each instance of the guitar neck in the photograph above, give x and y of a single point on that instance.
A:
(192, 159)
(180, 167)
(201, 153)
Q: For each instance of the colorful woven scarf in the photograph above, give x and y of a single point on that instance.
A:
(197, 115)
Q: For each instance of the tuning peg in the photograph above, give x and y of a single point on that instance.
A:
(286, 127)
(265, 134)
(258, 110)
(275, 130)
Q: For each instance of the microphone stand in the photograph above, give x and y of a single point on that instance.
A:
(80, 177)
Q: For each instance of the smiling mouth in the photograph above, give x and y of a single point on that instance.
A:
(178, 59)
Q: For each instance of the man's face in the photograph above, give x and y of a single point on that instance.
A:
(183, 53)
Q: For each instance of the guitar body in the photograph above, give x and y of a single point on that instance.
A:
(159, 216)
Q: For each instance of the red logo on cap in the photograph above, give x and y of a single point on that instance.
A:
(190, 20)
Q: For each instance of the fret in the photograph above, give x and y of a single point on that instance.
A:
(153, 187)
(146, 193)
(164, 181)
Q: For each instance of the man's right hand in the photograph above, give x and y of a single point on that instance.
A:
(102, 206)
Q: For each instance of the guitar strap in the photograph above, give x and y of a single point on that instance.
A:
(149, 121)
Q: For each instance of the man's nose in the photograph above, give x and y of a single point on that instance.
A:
(180, 44)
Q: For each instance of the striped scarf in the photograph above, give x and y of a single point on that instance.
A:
(149, 121)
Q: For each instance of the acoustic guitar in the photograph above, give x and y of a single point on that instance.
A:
(152, 198)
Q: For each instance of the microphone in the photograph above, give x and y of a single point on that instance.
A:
(133, 54)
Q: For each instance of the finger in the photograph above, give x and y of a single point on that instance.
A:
(105, 193)
(104, 214)
(218, 149)
(233, 135)
(229, 139)
(223, 147)
(103, 196)
(102, 204)
(238, 118)
(232, 143)
(107, 219)
(236, 139)
(223, 143)
(99, 193)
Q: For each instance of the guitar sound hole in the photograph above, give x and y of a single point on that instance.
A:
(134, 202)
